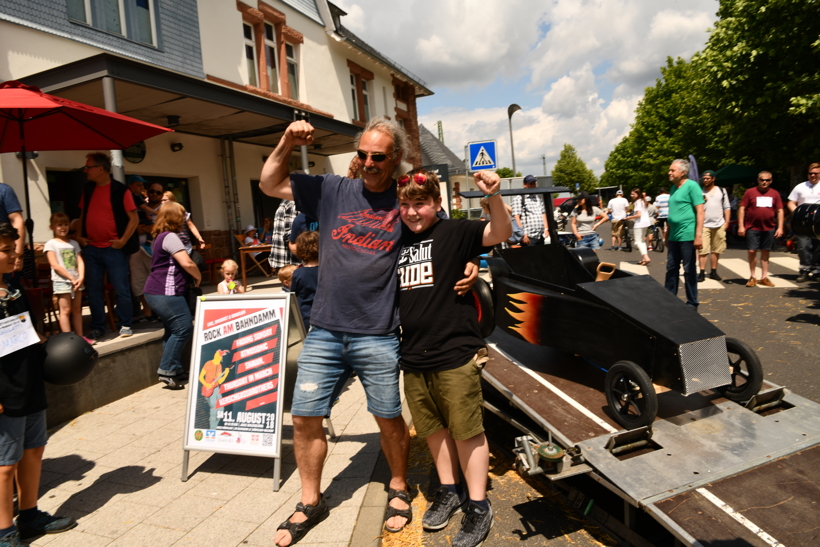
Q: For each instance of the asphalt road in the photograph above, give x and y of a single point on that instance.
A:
(781, 324)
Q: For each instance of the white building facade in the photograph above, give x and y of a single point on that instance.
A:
(227, 76)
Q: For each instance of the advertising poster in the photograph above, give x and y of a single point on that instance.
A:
(237, 375)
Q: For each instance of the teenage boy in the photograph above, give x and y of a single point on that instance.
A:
(23, 434)
(442, 350)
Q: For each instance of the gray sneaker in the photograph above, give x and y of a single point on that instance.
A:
(445, 505)
(125, 332)
(475, 526)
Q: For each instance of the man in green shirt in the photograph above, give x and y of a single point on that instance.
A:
(685, 229)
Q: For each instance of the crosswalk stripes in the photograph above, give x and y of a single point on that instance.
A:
(738, 266)
(787, 262)
(631, 267)
(741, 268)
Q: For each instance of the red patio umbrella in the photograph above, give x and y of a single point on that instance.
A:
(33, 120)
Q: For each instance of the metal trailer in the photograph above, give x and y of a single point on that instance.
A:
(709, 470)
(706, 470)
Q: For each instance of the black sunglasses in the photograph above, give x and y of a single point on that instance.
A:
(377, 157)
(154, 191)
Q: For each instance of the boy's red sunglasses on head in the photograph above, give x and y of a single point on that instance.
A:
(418, 178)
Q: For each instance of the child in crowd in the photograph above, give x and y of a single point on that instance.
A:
(230, 284)
(252, 240)
(23, 434)
(67, 274)
(305, 278)
(285, 275)
(442, 351)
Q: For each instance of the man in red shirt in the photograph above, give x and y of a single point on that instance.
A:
(108, 222)
(760, 208)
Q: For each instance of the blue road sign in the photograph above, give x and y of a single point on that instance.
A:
(482, 155)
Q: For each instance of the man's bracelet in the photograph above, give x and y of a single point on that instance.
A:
(491, 195)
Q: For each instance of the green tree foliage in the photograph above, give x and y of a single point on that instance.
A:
(571, 169)
(507, 173)
(760, 70)
(670, 122)
(750, 97)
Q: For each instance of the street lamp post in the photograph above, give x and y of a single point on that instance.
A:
(512, 109)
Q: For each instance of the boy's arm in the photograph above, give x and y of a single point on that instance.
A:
(499, 228)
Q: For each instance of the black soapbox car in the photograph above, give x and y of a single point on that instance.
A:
(627, 324)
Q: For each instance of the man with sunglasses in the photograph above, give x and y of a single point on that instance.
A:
(354, 321)
(808, 248)
(759, 209)
(108, 220)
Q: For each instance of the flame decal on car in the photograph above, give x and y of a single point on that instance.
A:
(529, 320)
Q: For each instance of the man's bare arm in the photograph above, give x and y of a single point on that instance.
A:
(17, 222)
(275, 178)
(699, 215)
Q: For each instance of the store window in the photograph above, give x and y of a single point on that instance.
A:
(133, 19)
(79, 10)
(355, 96)
(250, 55)
(293, 71)
(143, 22)
(112, 15)
(271, 58)
(361, 82)
(366, 100)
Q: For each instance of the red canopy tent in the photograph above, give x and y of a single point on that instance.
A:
(33, 120)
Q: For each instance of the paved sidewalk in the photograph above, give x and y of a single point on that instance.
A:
(117, 470)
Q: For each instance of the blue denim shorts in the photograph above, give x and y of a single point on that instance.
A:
(329, 356)
(21, 433)
(590, 241)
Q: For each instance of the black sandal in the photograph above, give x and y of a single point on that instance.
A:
(314, 513)
(393, 512)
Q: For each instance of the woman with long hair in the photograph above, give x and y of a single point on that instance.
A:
(172, 272)
(641, 217)
(585, 219)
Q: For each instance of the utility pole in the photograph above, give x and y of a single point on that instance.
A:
(544, 161)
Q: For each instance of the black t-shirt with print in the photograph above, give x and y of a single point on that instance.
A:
(22, 388)
(439, 328)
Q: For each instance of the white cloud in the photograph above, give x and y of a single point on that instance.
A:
(585, 62)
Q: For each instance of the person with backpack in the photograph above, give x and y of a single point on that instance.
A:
(108, 224)
(717, 211)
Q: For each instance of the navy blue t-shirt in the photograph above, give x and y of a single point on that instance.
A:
(359, 234)
(8, 202)
(303, 284)
(302, 224)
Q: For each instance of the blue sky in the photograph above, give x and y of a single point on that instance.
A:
(576, 67)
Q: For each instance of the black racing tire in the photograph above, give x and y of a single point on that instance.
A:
(747, 372)
(483, 298)
(630, 395)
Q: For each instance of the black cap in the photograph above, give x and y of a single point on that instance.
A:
(530, 179)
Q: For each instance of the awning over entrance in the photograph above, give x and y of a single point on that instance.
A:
(202, 108)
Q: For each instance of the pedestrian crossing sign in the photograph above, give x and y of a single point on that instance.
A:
(482, 155)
